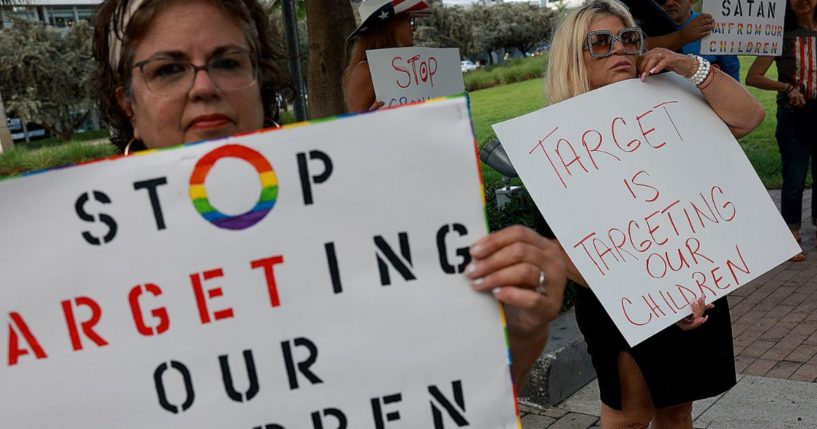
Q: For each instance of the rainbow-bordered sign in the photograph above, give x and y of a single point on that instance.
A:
(266, 200)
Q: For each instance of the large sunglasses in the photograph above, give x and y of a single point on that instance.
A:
(600, 42)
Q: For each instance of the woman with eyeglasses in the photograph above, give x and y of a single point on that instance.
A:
(178, 71)
(384, 24)
(657, 380)
(164, 77)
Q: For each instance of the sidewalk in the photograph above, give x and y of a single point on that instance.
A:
(774, 324)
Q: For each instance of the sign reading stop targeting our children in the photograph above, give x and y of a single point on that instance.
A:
(309, 277)
(745, 27)
(409, 75)
(651, 197)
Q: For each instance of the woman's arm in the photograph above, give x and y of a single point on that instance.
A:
(526, 273)
(360, 89)
(756, 76)
(696, 29)
(736, 107)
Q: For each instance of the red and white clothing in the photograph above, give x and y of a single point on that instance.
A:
(798, 63)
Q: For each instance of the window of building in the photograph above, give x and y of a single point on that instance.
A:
(61, 17)
(85, 13)
(21, 12)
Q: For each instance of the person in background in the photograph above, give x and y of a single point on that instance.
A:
(164, 78)
(796, 87)
(682, 14)
(384, 24)
(657, 380)
(660, 29)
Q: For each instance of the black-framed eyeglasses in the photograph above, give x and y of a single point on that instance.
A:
(600, 42)
(168, 76)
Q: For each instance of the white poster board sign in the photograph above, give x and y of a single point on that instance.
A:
(745, 27)
(409, 75)
(301, 278)
(651, 197)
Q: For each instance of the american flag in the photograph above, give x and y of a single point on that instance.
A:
(416, 8)
(806, 71)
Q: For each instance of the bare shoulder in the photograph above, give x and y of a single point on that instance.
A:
(361, 72)
(360, 89)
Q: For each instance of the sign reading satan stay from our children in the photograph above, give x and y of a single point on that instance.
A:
(745, 27)
(408, 75)
(651, 197)
(308, 277)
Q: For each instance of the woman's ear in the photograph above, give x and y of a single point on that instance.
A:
(126, 104)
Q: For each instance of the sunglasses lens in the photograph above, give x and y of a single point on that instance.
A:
(600, 43)
(631, 41)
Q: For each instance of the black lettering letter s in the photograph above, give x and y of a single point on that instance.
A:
(104, 218)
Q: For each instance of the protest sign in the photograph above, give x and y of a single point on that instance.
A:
(408, 75)
(650, 195)
(309, 277)
(745, 27)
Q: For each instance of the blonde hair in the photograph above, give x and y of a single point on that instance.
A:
(566, 75)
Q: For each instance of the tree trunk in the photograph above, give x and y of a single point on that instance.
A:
(6, 142)
(329, 22)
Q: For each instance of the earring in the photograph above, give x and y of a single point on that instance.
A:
(127, 146)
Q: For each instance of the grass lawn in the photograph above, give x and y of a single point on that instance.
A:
(20, 159)
(497, 104)
(492, 105)
(760, 146)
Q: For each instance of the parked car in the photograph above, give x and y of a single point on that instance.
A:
(467, 65)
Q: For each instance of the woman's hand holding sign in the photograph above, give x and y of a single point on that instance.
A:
(697, 317)
(733, 104)
(525, 272)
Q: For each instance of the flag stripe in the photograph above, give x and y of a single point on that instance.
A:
(811, 88)
(801, 50)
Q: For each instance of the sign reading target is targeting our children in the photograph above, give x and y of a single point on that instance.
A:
(657, 203)
(309, 277)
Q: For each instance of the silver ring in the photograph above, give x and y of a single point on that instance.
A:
(540, 288)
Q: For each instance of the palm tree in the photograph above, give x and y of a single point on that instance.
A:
(6, 142)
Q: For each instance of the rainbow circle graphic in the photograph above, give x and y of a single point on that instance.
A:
(266, 175)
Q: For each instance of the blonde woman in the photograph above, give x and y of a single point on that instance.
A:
(384, 24)
(656, 381)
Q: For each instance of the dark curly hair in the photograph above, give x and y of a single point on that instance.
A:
(250, 16)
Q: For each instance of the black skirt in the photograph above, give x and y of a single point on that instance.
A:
(678, 366)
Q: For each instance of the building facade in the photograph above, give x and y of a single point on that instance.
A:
(58, 13)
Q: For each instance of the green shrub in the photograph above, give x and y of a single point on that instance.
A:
(53, 141)
(517, 70)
